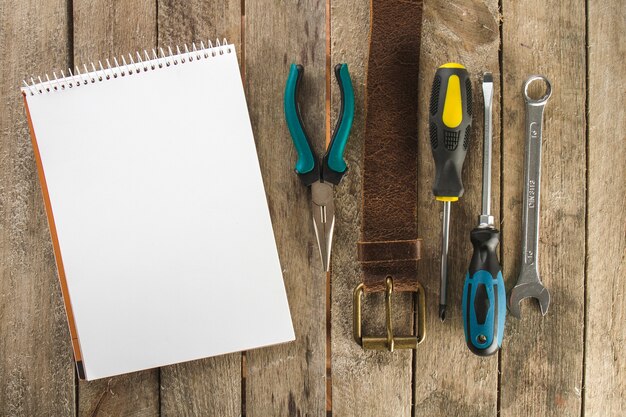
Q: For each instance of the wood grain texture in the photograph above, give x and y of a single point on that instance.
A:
(364, 383)
(103, 30)
(210, 386)
(605, 367)
(182, 22)
(288, 379)
(207, 387)
(36, 364)
(449, 378)
(134, 394)
(542, 359)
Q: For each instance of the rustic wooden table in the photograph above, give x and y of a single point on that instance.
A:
(570, 363)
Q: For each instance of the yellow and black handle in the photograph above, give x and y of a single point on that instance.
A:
(450, 124)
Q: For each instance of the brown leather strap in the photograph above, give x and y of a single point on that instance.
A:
(389, 244)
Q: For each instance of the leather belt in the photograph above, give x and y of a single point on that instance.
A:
(389, 248)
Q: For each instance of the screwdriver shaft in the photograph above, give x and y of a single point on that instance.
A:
(487, 165)
(488, 139)
(445, 234)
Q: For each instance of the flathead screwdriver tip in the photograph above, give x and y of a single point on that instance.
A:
(442, 312)
(487, 77)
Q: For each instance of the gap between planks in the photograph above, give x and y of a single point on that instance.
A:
(329, 371)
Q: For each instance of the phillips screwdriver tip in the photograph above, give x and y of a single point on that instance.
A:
(442, 312)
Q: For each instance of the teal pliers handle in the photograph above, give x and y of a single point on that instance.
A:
(332, 167)
(334, 164)
(306, 166)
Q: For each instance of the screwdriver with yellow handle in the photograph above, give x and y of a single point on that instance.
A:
(450, 123)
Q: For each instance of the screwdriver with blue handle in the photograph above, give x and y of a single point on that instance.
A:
(450, 123)
(484, 297)
(321, 174)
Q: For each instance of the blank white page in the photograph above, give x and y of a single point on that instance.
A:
(161, 216)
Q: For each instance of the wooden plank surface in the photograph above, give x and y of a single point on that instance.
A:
(542, 361)
(103, 30)
(570, 362)
(36, 365)
(288, 379)
(449, 379)
(363, 382)
(182, 22)
(605, 367)
(210, 386)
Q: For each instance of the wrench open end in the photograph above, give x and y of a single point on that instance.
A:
(529, 290)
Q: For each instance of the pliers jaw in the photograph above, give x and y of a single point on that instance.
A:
(323, 209)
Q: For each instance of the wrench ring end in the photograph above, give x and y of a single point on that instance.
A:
(545, 97)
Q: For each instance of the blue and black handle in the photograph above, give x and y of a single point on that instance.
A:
(484, 297)
(332, 167)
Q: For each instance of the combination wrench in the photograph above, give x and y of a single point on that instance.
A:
(528, 283)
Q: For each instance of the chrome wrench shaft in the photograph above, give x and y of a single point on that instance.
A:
(529, 284)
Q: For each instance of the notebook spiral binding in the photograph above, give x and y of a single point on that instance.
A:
(159, 59)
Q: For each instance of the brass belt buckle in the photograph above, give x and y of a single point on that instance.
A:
(390, 342)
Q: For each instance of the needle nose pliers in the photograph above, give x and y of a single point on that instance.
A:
(321, 174)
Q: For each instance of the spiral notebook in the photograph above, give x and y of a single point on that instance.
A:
(157, 211)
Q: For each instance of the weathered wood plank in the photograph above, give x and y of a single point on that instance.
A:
(288, 379)
(542, 361)
(211, 386)
(193, 21)
(605, 367)
(449, 378)
(135, 394)
(36, 364)
(103, 30)
(36, 368)
(435, 393)
(364, 383)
